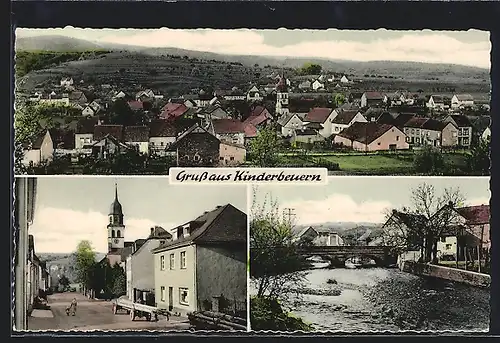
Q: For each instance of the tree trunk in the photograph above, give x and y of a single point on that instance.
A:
(465, 257)
(480, 249)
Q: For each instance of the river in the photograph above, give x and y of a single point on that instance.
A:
(376, 299)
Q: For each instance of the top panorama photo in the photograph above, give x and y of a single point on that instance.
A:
(137, 101)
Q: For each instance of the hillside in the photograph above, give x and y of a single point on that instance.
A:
(150, 57)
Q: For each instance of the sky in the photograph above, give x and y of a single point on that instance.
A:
(363, 199)
(70, 209)
(455, 47)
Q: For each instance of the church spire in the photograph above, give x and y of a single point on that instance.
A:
(116, 191)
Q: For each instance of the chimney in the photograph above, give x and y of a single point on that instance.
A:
(152, 231)
(394, 211)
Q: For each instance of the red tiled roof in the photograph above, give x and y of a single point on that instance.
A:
(318, 115)
(171, 110)
(365, 132)
(475, 215)
(258, 115)
(250, 131)
(373, 95)
(228, 126)
(344, 117)
(136, 134)
(135, 105)
(102, 130)
(162, 128)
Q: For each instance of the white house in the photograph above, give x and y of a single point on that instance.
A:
(161, 135)
(322, 116)
(436, 102)
(486, 135)
(41, 149)
(289, 123)
(462, 100)
(317, 85)
(139, 266)
(320, 236)
(228, 130)
(344, 79)
(254, 94)
(447, 246)
(138, 137)
(88, 111)
(67, 82)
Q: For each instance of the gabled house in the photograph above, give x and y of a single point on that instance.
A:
(140, 266)
(84, 134)
(289, 123)
(197, 147)
(63, 140)
(67, 82)
(88, 111)
(259, 116)
(137, 137)
(320, 236)
(135, 105)
(486, 134)
(371, 99)
(305, 85)
(464, 129)
(306, 135)
(229, 130)
(215, 112)
(346, 118)
(107, 146)
(77, 97)
(162, 134)
(428, 131)
(205, 264)
(254, 94)
(344, 79)
(40, 149)
(322, 116)
(462, 100)
(145, 95)
(370, 136)
(173, 110)
(436, 102)
(355, 97)
(318, 85)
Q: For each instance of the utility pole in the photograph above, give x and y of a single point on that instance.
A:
(290, 213)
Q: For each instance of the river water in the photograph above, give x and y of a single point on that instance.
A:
(376, 299)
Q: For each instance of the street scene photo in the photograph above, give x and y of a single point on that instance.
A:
(103, 253)
(371, 255)
(139, 101)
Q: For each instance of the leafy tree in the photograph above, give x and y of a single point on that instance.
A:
(268, 314)
(479, 159)
(422, 225)
(275, 265)
(19, 167)
(85, 260)
(264, 148)
(339, 99)
(119, 282)
(311, 69)
(429, 161)
(122, 114)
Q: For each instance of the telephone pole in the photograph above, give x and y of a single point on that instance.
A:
(290, 213)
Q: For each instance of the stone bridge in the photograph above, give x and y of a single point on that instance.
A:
(337, 255)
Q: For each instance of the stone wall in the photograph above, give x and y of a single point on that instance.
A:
(445, 273)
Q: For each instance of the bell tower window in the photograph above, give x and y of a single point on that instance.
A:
(112, 233)
(118, 234)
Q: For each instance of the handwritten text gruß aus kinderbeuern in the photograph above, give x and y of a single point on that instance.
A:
(246, 176)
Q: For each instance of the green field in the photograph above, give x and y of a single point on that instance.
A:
(378, 164)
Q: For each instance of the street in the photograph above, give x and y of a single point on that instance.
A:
(94, 314)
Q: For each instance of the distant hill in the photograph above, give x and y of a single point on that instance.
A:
(61, 43)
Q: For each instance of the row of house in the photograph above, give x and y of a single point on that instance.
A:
(198, 265)
(31, 274)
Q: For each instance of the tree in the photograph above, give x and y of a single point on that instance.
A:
(479, 159)
(339, 99)
(429, 161)
(119, 281)
(311, 69)
(122, 114)
(264, 148)
(422, 225)
(84, 263)
(64, 281)
(275, 265)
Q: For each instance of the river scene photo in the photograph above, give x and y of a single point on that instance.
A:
(379, 299)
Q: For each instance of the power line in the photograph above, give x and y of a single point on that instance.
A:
(290, 213)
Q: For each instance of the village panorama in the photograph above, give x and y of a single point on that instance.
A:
(115, 103)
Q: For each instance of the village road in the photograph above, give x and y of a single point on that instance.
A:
(94, 314)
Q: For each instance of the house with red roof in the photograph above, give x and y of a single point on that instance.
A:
(197, 147)
(135, 105)
(372, 99)
(173, 110)
(372, 136)
(429, 131)
(259, 116)
(322, 116)
(229, 130)
(231, 154)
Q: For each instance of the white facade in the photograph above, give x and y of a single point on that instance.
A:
(143, 147)
(344, 79)
(486, 134)
(447, 246)
(157, 145)
(44, 153)
(235, 137)
(282, 103)
(316, 85)
(337, 128)
(254, 94)
(83, 139)
(457, 103)
(88, 111)
(294, 123)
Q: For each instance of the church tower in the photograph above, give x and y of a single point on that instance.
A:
(116, 229)
(282, 97)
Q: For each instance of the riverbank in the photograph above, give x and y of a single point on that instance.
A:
(447, 273)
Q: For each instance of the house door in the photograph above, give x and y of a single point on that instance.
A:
(170, 298)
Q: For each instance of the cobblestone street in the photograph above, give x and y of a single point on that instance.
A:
(94, 315)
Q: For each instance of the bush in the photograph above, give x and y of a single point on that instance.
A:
(268, 314)
(429, 161)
